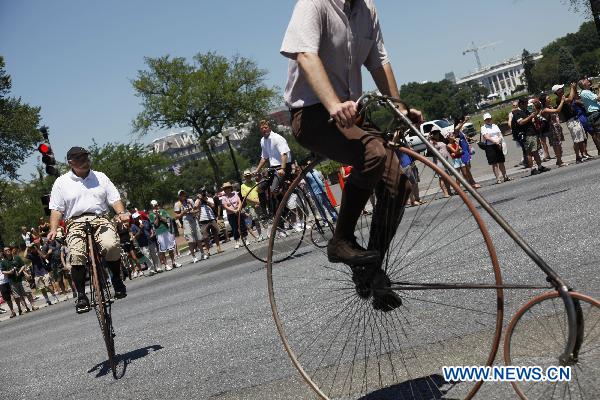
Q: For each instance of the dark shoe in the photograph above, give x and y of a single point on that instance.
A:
(82, 305)
(578, 161)
(350, 253)
(543, 169)
(534, 172)
(362, 277)
(49, 303)
(120, 295)
(384, 298)
(120, 289)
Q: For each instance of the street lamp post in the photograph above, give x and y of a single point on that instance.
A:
(226, 133)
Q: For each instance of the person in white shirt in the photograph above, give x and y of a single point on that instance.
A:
(494, 148)
(276, 151)
(83, 195)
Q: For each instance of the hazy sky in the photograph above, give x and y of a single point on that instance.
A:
(76, 59)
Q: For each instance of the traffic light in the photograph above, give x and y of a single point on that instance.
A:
(46, 202)
(47, 154)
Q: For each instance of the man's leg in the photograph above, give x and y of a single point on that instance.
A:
(77, 258)
(366, 153)
(6, 295)
(107, 238)
(40, 284)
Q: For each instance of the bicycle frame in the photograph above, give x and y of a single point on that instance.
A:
(559, 284)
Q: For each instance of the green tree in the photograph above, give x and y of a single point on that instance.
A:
(590, 8)
(207, 95)
(545, 72)
(528, 65)
(18, 128)
(589, 63)
(444, 98)
(567, 70)
(22, 206)
(139, 174)
(197, 174)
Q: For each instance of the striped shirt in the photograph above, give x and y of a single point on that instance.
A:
(206, 212)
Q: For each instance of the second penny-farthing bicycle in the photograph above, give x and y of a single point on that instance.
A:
(440, 265)
(100, 297)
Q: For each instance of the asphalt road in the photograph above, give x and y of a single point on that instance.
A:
(205, 330)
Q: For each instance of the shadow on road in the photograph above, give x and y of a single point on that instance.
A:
(123, 360)
(427, 388)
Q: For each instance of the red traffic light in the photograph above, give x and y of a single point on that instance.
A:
(44, 148)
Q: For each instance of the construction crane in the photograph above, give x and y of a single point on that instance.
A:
(475, 49)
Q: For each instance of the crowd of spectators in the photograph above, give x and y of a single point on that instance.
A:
(37, 266)
(537, 127)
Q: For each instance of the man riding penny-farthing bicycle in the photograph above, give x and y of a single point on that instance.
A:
(82, 196)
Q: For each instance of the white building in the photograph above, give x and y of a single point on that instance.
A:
(500, 79)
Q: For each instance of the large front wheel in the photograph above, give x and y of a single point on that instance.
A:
(387, 330)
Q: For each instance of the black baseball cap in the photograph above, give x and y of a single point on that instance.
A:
(75, 152)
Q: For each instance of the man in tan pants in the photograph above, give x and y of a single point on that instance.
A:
(83, 195)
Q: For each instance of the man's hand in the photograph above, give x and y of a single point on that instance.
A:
(124, 217)
(51, 235)
(281, 172)
(344, 114)
(415, 116)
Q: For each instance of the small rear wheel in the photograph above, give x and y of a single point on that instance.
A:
(537, 336)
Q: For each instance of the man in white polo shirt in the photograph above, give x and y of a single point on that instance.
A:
(83, 195)
(275, 150)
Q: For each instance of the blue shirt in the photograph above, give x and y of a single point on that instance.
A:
(405, 159)
(590, 100)
(464, 145)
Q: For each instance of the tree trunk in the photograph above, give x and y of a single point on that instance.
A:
(211, 161)
(595, 6)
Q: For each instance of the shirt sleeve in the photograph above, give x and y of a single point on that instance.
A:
(112, 194)
(588, 94)
(177, 207)
(57, 201)
(303, 34)
(378, 55)
(282, 146)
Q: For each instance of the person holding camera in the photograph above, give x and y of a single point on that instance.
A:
(160, 220)
(184, 209)
(41, 272)
(523, 125)
(207, 221)
(466, 151)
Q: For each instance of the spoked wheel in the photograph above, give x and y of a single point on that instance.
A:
(102, 301)
(386, 330)
(289, 232)
(537, 335)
